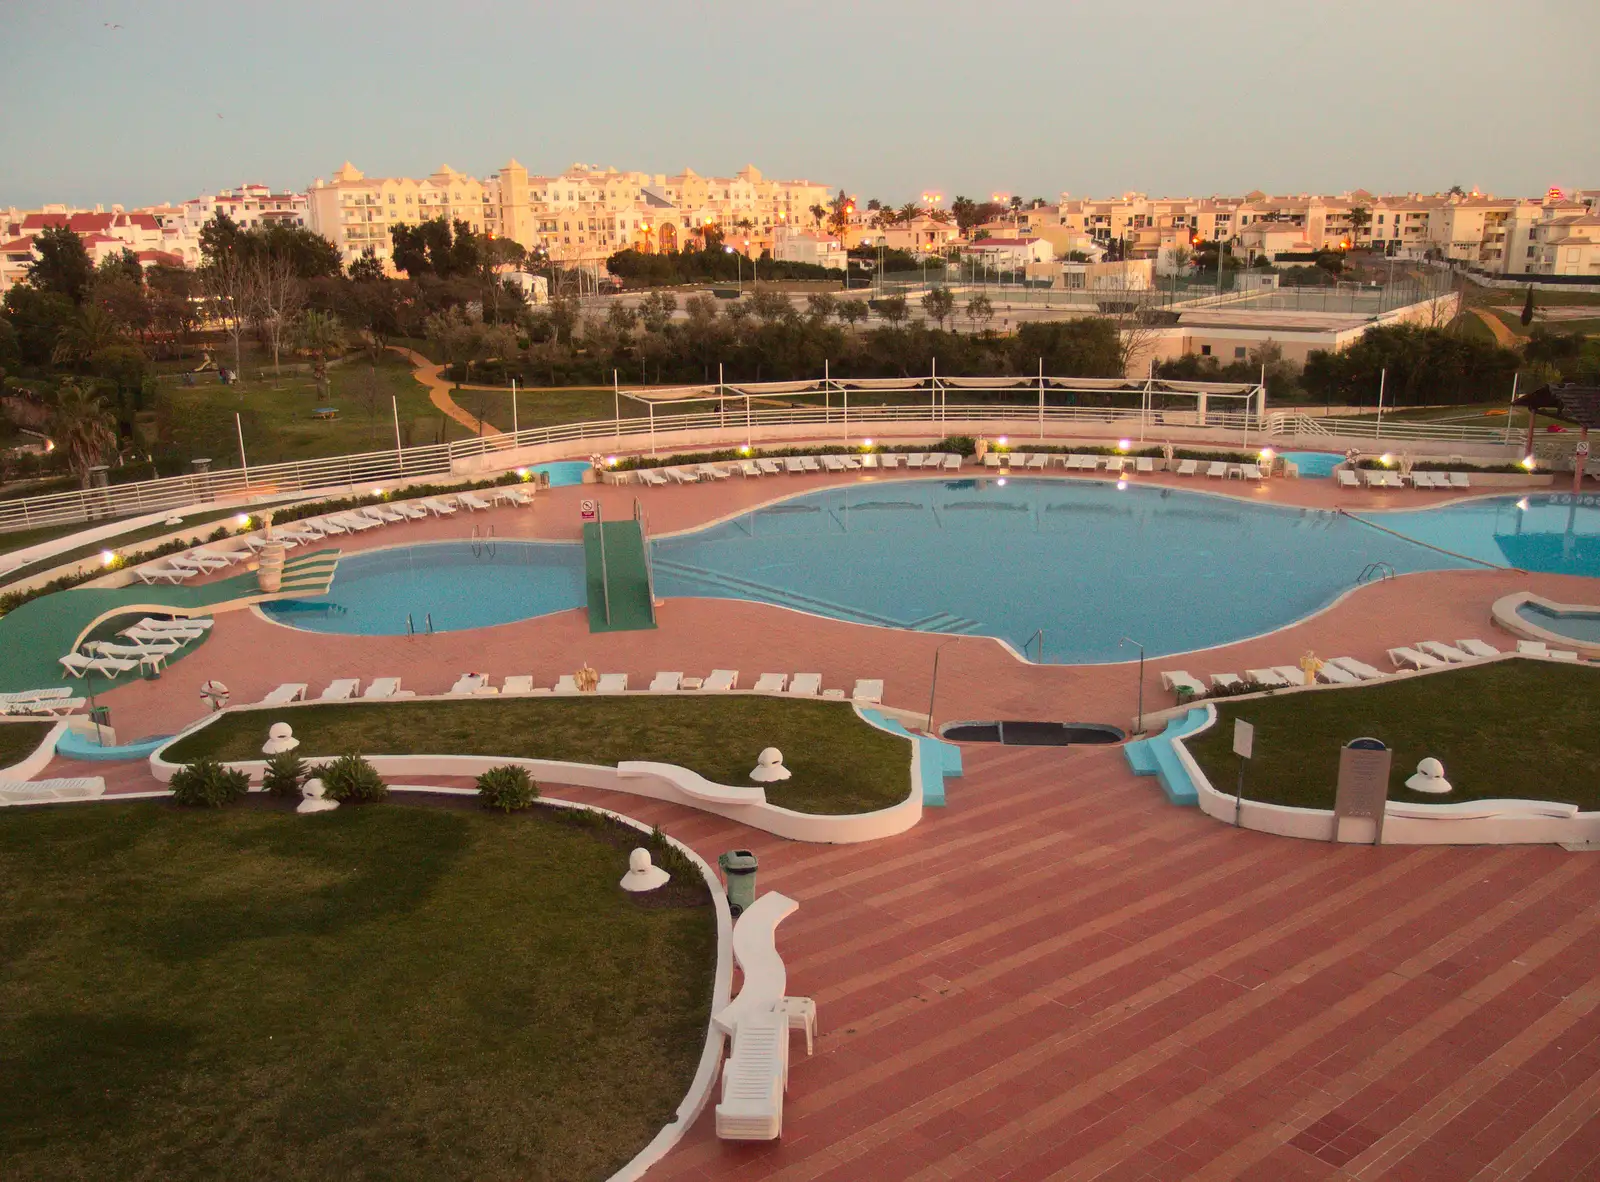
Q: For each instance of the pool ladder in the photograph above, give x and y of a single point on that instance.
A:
(1037, 636)
(1375, 571)
(411, 627)
(483, 541)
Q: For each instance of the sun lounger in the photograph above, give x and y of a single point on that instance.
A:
(951, 463)
(37, 695)
(1188, 467)
(1361, 669)
(612, 683)
(722, 680)
(683, 475)
(1460, 480)
(1180, 682)
(382, 514)
(196, 560)
(833, 463)
(297, 536)
(889, 459)
(1267, 678)
(870, 460)
(868, 690)
(791, 465)
(410, 511)
(470, 683)
(1217, 468)
(1538, 648)
(257, 543)
(1250, 471)
(652, 476)
(472, 501)
(753, 1080)
(915, 459)
(1392, 480)
(341, 690)
(77, 664)
(1423, 480)
(809, 464)
(713, 471)
(991, 459)
(666, 683)
(1226, 681)
(1295, 674)
(771, 683)
(1348, 479)
(164, 574)
(1409, 658)
(1445, 652)
(328, 525)
(851, 463)
(160, 649)
(512, 495)
(387, 687)
(1144, 464)
(289, 691)
(359, 522)
(437, 507)
(805, 684)
(749, 468)
(227, 556)
(1332, 674)
(1077, 463)
(519, 683)
(1477, 648)
(1114, 464)
(566, 684)
(768, 467)
(1037, 461)
(1373, 478)
(37, 706)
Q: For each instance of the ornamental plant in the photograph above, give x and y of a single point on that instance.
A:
(207, 782)
(350, 779)
(507, 788)
(286, 774)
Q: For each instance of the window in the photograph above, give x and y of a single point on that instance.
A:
(1205, 350)
(1238, 353)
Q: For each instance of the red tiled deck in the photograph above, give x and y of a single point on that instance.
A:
(1059, 976)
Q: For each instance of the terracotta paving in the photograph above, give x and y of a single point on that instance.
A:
(1059, 976)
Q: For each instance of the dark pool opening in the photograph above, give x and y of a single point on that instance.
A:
(1032, 734)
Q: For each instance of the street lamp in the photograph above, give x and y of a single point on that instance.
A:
(738, 268)
(1138, 728)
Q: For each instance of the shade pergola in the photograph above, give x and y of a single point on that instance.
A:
(1570, 403)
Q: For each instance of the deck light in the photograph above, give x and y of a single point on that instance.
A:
(611, 461)
(1124, 444)
(1386, 459)
(1266, 454)
(866, 443)
(1523, 504)
(107, 558)
(1001, 482)
(1121, 484)
(1528, 462)
(242, 520)
(1001, 441)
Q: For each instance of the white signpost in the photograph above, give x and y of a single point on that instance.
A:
(1244, 742)
(589, 509)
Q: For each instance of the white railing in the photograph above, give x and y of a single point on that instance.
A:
(734, 413)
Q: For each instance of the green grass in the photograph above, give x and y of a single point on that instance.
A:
(19, 739)
(551, 407)
(1508, 729)
(382, 992)
(195, 421)
(122, 541)
(840, 764)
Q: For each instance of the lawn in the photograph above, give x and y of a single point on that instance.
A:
(549, 407)
(122, 541)
(390, 991)
(1507, 729)
(840, 764)
(19, 739)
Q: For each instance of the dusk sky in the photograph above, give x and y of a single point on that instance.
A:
(885, 99)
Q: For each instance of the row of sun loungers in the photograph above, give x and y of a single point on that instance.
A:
(1384, 478)
(149, 643)
(1429, 654)
(52, 701)
(867, 690)
(794, 466)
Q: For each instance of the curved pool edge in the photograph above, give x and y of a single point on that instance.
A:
(1506, 615)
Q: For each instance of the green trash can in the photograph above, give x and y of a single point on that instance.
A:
(739, 872)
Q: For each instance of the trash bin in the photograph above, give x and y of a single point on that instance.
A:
(739, 871)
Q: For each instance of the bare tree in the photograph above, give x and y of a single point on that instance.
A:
(1135, 314)
(229, 286)
(278, 298)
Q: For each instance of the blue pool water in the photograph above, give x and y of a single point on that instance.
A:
(1314, 463)
(563, 472)
(1580, 626)
(1084, 561)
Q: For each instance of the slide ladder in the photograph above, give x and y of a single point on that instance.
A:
(617, 577)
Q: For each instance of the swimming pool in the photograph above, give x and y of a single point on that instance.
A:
(1314, 463)
(1083, 561)
(1581, 626)
(563, 472)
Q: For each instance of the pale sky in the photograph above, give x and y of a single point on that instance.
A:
(885, 99)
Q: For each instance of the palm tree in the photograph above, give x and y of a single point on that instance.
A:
(321, 335)
(818, 212)
(909, 212)
(83, 428)
(85, 335)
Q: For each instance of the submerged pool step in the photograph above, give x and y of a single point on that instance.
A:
(765, 591)
(944, 622)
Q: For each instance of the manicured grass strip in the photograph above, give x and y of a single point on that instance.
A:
(840, 764)
(123, 541)
(1514, 728)
(19, 739)
(389, 991)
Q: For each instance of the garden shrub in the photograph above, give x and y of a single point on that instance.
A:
(350, 779)
(286, 774)
(507, 788)
(207, 782)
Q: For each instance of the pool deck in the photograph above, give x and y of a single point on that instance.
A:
(1058, 975)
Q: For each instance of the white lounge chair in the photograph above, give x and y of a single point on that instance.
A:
(197, 562)
(890, 459)
(327, 525)
(991, 459)
(513, 494)
(164, 574)
(749, 468)
(159, 650)
(612, 683)
(868, 690)
(722, 680)
(833, 463)
(1188, 467)
(1445, 652)
(1373, 477)
(1267, 678)
(1477, 648)
(652, 476)
(806, 685)
(470, 683)
(1361, 669)
(714, 471)
(769, 467)
(1348, 479)
(753, 1080)
(1250, 471)
(1226, 681)
(359, 522)
(387, 687)
(1114, 464)
(1409, 658)
(229, 557)
(1144, 464)
(952, 463)
(473, 501)
(1217, 468)
(382, 514)
(1538, 648)
(77, 664)
(35, 695)
(1037, 461)
(34, 707)
(438, 508)
(916, 459)
(1333, 674)
(518, 683)
(300, 536)
(791, 465)
(771, 683)
(683, 476)
(1180, 682)
(409, 511)
(289, 691)
(809, 464)
(341, 690)
(870, 460)
(256, 543)
(1460, 480)
(851, 464)
(1392, 480)
(666, 683)
(566, 684)
(1295, 674)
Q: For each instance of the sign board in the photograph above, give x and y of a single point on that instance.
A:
(1363, 786)
(1583, 447)
(1244, 738)
(589, 509)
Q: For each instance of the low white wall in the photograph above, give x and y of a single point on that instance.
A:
(1501, 822)
(796, 826)
(32, 764)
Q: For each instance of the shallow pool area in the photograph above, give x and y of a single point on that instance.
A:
(1580, 626)
(1313, 463)
(563, 472)
(1060, 570)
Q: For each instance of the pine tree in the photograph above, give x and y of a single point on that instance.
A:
(1527, 308)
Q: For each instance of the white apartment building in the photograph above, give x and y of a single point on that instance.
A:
(793, 245)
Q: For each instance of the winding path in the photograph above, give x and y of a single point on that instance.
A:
(1502, 334)
(440, 390)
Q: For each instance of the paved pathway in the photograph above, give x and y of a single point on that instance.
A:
(439, 392)
(1502, 334)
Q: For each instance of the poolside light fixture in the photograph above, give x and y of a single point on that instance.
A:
(1121, 484)
(1124, 444)
(1523, 504)
(107, 558)
(242, 520)
(1386, 459)
(1528, 462)
(611, 461)
(1001, 482)
(1266, 455)
(1003, 441)
(866, 443)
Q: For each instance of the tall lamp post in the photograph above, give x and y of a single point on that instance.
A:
(738, 268)
(1138, 727)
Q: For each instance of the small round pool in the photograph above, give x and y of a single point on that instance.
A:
(563, 472)
(1580, 626)
(1314, 463)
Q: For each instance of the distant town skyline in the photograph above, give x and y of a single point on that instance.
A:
(169, 99)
